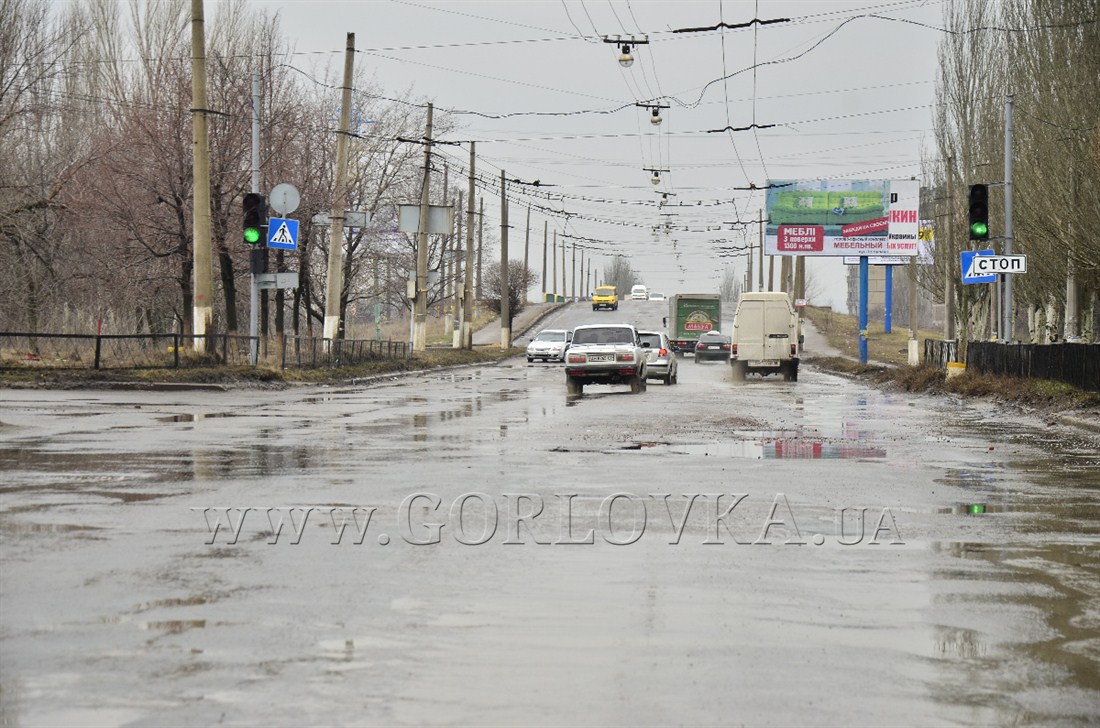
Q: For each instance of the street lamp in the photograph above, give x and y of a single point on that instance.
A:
(626, 60)
(656, 119)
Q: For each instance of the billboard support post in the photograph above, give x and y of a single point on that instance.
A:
(863, 309)
(888, 317)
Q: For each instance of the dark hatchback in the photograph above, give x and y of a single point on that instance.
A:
(712, 346)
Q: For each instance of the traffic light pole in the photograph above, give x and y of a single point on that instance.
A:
(1007, 327)
(254, 289)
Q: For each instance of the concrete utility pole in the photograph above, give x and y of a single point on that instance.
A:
(468, 277)
(445, 259)
(459, 297)
(564, 288)
(554, 263)
(335, 284)
(505, 302)
(760, 217)
(526, 254)
(582, 275)
(949, 261)
(480, 245)
(420, 314)
(748, 271)
(573, 272)
(771, 273)
(545, 234)
(1008, 329)
(800, 276)
(588, 279)
(202, 311)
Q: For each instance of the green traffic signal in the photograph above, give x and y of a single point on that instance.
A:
(979, 230)
(251, 235)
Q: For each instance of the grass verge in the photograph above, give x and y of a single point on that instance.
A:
(841, 330)
(245, 376)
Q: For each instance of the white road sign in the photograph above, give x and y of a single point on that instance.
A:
(990, 264)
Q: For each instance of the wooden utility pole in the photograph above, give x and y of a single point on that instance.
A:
(202, 311)
(420, 313)
(505, 302)
(468, 274)
(335, 284)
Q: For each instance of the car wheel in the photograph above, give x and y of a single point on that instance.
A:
(636, 384)
(738, 371)
(794, 371)
(573, 386)
(667, 379)
(675, 378)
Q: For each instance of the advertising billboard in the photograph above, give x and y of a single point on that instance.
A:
(842, 217)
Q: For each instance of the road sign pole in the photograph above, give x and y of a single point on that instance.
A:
(863, 309)
(254, 289)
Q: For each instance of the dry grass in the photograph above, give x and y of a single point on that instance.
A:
(841, 330)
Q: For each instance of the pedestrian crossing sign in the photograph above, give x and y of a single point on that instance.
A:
(282, 234)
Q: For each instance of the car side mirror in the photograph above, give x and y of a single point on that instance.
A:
(645, 345)
(664, 321)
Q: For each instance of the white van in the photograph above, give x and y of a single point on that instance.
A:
(639, 293)
(766, 335)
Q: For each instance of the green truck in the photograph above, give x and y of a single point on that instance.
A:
(689, 316)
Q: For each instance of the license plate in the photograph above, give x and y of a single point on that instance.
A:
(712, 346)
(601, 357)
(768, 363)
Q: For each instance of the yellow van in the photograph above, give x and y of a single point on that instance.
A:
(605, 297)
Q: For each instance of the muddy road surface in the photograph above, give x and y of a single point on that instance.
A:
(471, 547)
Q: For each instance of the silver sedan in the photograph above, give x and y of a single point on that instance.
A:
(661, 363)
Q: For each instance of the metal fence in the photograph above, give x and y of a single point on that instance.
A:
(937, 352)
(1076, 364)
(303, 352)
(120, 351)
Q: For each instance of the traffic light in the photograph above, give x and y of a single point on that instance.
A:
(255, 212)
(979, 212)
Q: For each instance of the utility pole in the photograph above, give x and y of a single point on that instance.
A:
(1008, 329)
(505, 302)
(1072, 331)
(573, 272)
(545, 226)
(420, 313)
(526, 253)
(456, 336)
(949, 261)
(564, 288)
(554, 273)
(335, 283)
(588, 279)
(468, 276)
(771, 273)
(480, 245)
(582, 275)
(748, 272)
(760, 217)
(202, 312)
(445, 259)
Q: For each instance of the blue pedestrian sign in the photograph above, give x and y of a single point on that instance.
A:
(967, 263)
(282, 233)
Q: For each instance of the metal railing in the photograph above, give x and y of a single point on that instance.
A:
(19, 350)
(303, 352)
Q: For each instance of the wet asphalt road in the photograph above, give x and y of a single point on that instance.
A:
(115, 609)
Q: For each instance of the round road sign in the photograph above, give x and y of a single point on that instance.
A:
(284, 198)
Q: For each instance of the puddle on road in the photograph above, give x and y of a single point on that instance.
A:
(200, 417)
(772, 446)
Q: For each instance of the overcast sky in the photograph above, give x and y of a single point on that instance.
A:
(850, 97)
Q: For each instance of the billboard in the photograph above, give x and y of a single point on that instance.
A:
(842, 217)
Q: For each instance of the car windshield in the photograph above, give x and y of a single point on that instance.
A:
(604, 291)
(550, 336)
(603, 336)
(654, 340)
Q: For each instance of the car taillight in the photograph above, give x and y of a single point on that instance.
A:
(576, 358)
(700, 345)
(734, 348)
(725, 346)
(662, 352)
(794, 349)
(626, 357)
